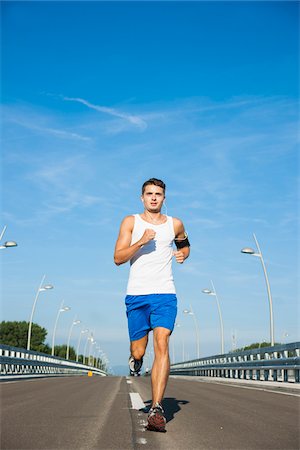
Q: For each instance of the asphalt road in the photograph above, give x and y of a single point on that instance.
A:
(98, 413)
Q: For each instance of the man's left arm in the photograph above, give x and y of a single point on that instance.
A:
(181, 241)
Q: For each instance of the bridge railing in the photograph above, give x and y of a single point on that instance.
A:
(18, 362)
(278, 363)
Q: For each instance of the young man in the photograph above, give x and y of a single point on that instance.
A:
(146, 240)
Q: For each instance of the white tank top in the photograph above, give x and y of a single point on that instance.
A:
(151, 266)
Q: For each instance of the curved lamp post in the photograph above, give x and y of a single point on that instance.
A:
(79, 340)
(75, 322)
(94, 355)
(90, 353)
(103, 356)
(89, 338)
(178, 325)
(61, 310)
(97, 361)
(214, 293)
(105, 360)
(191, 313)
(285, 335)
(250, 251)
(92, 342)
(6, 244)
(40, 289)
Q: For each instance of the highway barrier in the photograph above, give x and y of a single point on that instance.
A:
(20, 363)
(278, 363)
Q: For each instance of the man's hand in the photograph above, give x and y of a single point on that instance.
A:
(179, 255)
(148, 236)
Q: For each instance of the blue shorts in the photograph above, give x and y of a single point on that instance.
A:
(145, 312)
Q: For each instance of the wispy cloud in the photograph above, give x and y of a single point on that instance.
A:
(39, 122)
(133, 119)
(61, 183)
(219, 145)
(62, 187)
(61, 133)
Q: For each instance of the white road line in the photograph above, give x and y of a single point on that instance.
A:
(136, 401)
(128, 382)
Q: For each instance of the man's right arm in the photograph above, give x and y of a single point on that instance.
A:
(123, 250)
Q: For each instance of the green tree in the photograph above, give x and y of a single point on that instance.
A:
(80, 358)
(16, 333)
(61, 351)
(45, 348)
(255, 345)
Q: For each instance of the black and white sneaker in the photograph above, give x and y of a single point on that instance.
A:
(135, 366)
(156, 418)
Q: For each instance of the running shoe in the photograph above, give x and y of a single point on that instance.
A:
(156, 418)
(135, 366)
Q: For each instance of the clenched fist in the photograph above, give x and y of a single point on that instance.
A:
(148, 235)
(179, 256)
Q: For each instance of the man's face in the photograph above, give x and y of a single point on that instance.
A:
(153, 198)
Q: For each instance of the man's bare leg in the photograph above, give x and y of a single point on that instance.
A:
(138, 347)
(161, 366)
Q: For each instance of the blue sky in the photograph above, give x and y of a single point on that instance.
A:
(97, 97)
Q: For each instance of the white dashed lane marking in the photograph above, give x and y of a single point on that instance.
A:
(136, 401)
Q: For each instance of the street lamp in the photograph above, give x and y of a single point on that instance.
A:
(105, 360)
(97, 362)
(75, 322)
(252, 252)
(89, 338)
(6, 244)
(94, 355)
(285, 335)
(177, 325)
(103, 356)
(191, 313)
(92, 342)
(40, 289)
(79, 339)
(61, 310)
(214, 293)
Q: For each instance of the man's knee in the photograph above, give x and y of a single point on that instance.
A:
(161, 340)
(137, 352)
(138, 348)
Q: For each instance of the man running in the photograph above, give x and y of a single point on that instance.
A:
(146, 240)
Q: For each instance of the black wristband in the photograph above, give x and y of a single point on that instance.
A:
(181, 243)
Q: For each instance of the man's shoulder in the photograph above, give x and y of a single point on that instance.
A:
(178, 225)
(177, 221)
(129, 217)
(128, 221)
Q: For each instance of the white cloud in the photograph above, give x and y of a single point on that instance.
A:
(132, 119)
(38, 122)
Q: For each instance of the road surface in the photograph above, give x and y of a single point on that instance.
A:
(103, 413)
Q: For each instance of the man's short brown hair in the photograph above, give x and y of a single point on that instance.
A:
(154, 181)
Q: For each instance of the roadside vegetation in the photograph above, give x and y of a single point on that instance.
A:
(15, 334)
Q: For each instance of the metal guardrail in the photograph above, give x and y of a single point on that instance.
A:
(18, 362)
(278, 363)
